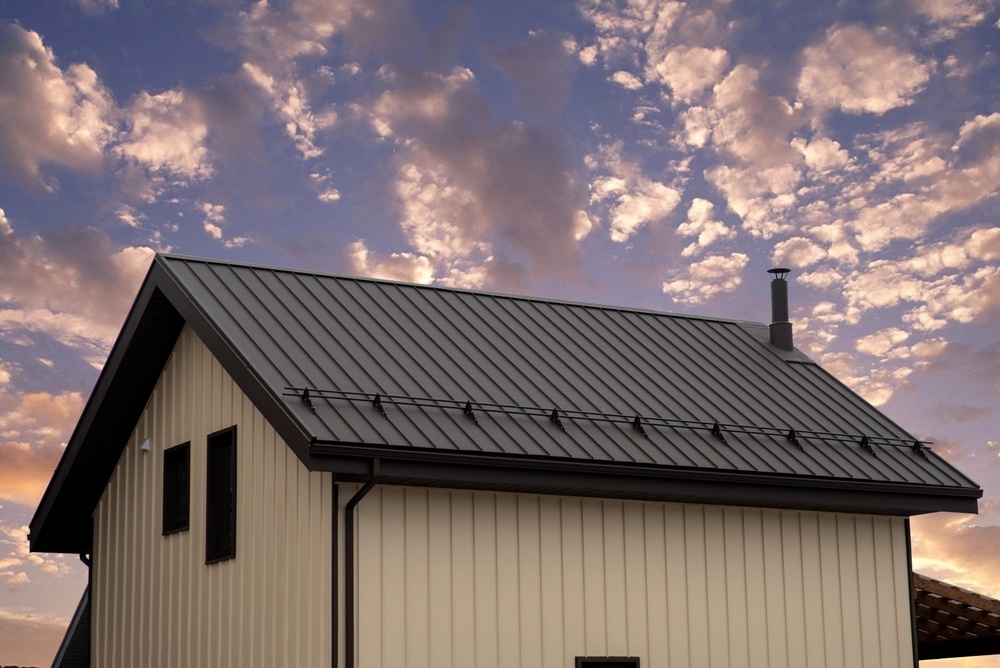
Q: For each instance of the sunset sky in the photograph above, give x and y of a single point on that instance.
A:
(642, 153)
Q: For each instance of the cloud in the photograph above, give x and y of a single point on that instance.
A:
(470, 189)
(859, 70)
(289, 100)
(33, 430)
(632, 199)
(72, 284)
(822, 154)
(948, 17)
(166, 133)
(48, 115)
(919, 175)
(942, 282)
(97, 6)
(540, 67)
(700, 223)
(277, 41)
(958, 549)
(689, 70)
(798, 252)
(406, 267)
(627, 80)
(700, 281)
(875, 384)
(653, 42)
(881, 342)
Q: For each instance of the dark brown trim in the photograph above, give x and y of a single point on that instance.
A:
(335, 579)
(173, 489)
(951, 649)
(349, 462)
(607, 662)
(129, 376)
(349, 582)
(913, 606)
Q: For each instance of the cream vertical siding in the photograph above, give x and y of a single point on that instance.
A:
(455, 579)
(155, 601)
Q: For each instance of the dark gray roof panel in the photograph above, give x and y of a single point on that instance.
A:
(302, 330)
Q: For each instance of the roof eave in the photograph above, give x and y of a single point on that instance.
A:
(61, 522)
(462, 470)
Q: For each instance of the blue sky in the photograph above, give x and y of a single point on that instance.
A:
(642, 152)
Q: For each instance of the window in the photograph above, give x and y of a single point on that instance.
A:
(176, 488)
(607, 662)
(220, 508)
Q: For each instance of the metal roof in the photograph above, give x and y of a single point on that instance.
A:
(471, 379)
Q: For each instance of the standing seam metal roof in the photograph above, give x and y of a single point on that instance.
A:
(302, 330)
(427, 351)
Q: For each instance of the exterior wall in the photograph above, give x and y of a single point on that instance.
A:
(155, 601)
(458, 579)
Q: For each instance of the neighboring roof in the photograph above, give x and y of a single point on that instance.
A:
(468, 382)
(954, 622)
(74, 650)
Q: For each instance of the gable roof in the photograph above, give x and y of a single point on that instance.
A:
(492, 391)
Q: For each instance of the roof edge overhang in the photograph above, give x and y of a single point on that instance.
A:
(138, 355)
(162, 307)
(518, 474)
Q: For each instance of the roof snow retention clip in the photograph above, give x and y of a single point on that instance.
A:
(555, 418)
(867, 446)
(307, 400)
(468, 411)
(637, 425)
(794, 438)
(377, 403)
(717, 432)
(918, 448)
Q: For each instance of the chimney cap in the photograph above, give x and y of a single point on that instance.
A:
(779, 272)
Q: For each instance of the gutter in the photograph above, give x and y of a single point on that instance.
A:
(350, 585)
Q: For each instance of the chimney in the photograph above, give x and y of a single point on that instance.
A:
(781, 328)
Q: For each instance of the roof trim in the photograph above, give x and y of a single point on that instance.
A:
(118, 398)
(569, 477)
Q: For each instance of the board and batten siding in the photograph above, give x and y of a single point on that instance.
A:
(456, 579)
(155, 601)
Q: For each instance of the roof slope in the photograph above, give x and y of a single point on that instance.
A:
(468, 382)
(952, 621)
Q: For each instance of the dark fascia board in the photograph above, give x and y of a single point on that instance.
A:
(162, 307)
(506, 473)
(61, 522)
(949, 649)
(243, 372)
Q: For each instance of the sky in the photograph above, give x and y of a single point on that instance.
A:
(648, 153)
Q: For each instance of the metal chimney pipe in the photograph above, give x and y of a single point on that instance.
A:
(781, 328)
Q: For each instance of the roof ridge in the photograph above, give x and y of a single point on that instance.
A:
(165, 258)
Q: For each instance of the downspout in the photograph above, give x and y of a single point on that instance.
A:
(349, 583)
(335, 570)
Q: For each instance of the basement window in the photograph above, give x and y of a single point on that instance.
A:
(176, 488)
(220, 507)
(607, 662)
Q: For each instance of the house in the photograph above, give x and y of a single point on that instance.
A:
(286, 468)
